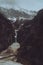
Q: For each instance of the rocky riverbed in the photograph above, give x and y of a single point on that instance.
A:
(7, 57)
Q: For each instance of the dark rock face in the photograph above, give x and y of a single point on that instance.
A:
(6, 33)
(24, 33)
(30, 37)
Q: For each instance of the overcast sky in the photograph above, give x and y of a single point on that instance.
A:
(26, 4)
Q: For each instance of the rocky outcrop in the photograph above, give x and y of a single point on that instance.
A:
(30, 37)
(6, 33)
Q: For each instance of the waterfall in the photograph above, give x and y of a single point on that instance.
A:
(16, 35)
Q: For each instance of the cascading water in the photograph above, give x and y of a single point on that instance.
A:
(15, 35)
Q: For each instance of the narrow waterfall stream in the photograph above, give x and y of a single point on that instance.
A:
(15, 35)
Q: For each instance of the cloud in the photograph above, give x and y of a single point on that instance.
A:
(26, 4)
(7, 1)
(10, 1)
